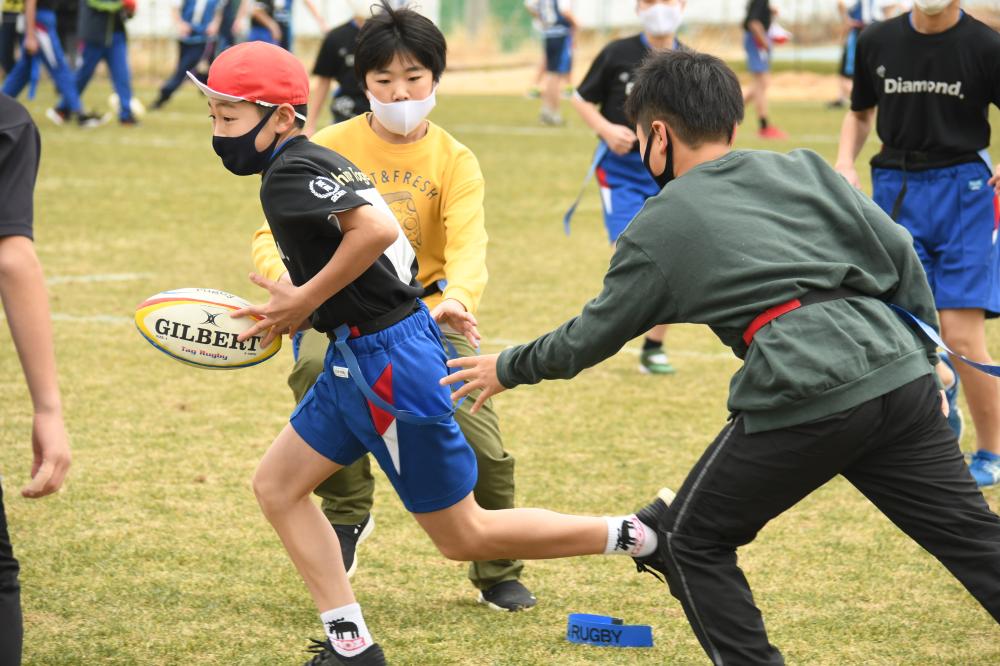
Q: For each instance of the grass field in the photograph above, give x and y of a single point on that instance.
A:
(156, 552)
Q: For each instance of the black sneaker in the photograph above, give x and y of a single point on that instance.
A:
(84, 119)
(325, 655)
(131, 121)
(350, 537)
(651, 515)
(509, 596)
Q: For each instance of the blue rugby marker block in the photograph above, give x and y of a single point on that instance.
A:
(605, 631)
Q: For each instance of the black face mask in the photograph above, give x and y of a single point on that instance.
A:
(668, 170)
(240, 155)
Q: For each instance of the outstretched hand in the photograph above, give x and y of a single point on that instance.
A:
(287, 311)
(453, 313)
(478, 372)
(849, 173)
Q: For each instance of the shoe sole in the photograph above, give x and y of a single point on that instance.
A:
(365, 533)
(643, 370)
(493, 606)
(54, 116)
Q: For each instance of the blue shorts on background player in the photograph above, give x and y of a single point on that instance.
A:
(197, 24)
(757, 45)
(47, 51)
(558, 26)
(102, 31)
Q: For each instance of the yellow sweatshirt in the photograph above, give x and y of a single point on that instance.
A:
(435, 188)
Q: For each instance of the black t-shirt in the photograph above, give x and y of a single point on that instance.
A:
(932, 91)
(20, 147)
(758, 10)
(336, 61)
(610, 77)
(303, 189)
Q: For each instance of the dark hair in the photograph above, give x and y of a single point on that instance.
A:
(403, 32)
(299, 108)
(695, 93)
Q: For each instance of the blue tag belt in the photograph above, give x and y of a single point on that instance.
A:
(343, 332)
(599, 155)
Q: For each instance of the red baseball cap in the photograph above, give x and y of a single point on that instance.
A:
(257, 72)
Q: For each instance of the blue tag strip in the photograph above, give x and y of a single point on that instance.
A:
(599, 155)
(342, 333)
(933, 336)
(607, 631)
(35, 73)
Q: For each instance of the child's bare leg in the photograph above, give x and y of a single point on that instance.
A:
(465, 531)
(283, 482)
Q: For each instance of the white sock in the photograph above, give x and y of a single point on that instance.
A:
(627, 535)
(346, 629)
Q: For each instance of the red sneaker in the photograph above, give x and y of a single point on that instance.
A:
(771, 132)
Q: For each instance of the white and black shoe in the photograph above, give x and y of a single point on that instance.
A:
(325, 655)
(652, 515)
(508, 596)
(350, 537)
(58, 116)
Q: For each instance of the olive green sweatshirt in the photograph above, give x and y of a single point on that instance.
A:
(733, 237)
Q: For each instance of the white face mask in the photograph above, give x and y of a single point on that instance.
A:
(932, 7)
(403, 117)
(661, 19)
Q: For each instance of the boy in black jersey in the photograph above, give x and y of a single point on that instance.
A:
(932, 73)
(335, 62)
(353, 273)
(600, 101)
(757, 44)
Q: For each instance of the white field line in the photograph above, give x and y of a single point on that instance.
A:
(144, 140)
(517, 130)
(99, 277)
(91, 319)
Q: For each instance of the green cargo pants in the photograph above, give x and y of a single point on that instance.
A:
(347, 495)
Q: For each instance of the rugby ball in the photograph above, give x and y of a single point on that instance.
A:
(193, 325)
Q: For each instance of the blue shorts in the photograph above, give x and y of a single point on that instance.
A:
(559, 54)
(259, 33)
(430, 466)
(625, 186)
(952, 215)
(755, 62)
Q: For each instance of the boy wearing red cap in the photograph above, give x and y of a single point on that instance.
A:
(354, 278)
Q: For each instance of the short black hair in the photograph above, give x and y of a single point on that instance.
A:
(398, 31)
(302, 109)
(695, 93)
